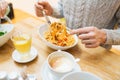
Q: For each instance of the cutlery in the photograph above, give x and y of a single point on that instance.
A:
(44, 14)
(46, 17)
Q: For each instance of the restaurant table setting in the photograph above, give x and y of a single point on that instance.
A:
(44, 61)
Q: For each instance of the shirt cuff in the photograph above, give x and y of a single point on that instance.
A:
(108, 36)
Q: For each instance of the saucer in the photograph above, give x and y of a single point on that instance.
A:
(32, 56)
(47, 75)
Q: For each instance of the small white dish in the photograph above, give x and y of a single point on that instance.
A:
(16, 56)
(47, 75)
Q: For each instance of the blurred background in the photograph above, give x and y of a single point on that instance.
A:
(27, 5)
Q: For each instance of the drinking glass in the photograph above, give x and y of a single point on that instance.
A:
(22, 43)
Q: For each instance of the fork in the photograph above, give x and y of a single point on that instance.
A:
(46, 17)
(44, 14)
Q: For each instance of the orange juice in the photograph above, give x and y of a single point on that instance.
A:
(22, 43)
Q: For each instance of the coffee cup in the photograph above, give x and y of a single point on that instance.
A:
(60, 63)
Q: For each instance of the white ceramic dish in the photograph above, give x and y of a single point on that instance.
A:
(80, 76)
(32, 56)
(47, 75)
(9, 28)
(43, 28)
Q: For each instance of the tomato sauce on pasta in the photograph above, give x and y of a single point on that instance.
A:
(58, 35)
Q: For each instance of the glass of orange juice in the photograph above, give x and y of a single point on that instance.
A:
(22, 43)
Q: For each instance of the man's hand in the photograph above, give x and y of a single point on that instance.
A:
(90, 36)
(39, 6)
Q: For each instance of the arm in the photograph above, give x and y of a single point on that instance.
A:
(50, 10)
(113, 36)
(93, 37)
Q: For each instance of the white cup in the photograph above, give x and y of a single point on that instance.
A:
(80, 76)
(60, 63)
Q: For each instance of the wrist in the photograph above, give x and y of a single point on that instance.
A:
(103, 36)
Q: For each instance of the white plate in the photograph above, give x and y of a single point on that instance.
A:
(32, 56)
(47, 75)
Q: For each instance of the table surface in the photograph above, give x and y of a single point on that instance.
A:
(101, 62)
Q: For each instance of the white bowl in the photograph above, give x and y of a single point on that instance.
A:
(43, 28)
(9, 29)
(80, 76)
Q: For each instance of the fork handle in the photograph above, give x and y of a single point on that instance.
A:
(46, 17)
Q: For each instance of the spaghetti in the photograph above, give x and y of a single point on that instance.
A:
(58, 35)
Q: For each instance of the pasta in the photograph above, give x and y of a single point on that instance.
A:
(58, 35)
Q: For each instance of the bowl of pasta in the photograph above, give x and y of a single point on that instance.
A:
(57, 36)
(6, 30)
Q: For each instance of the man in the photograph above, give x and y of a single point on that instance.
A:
(93, 20)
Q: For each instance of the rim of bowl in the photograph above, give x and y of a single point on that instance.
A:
(88, 73)
(12, 28)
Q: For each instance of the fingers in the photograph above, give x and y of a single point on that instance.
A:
(38, 12)
(43, 3)
(94, 45)
(90, 36)
(0, 12)
(38, 9)
(89, 41)
(82, 30)
(3, 7)
(87, 35)
(40, 6)
(47, 8)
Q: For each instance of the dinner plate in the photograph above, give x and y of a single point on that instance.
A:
(32, 56)
(47, 75)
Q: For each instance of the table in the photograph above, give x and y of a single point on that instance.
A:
(101, 62)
